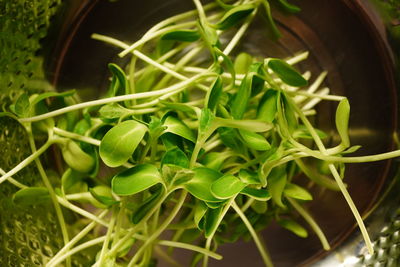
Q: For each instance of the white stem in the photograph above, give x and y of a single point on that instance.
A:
(173, 88)
(12, 180)
(75, 240)
(76, 136)
(80, 211)
(266, 258)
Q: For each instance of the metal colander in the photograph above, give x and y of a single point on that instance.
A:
(31, 236)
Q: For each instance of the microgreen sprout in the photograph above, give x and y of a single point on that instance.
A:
(197, 142)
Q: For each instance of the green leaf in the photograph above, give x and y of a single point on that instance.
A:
(179, 107)
(103, 195)
(290, 115)
(120, 142)
(22, 105)
(199, 186)
(215, 205)
(43, 96)
(250, 85)
(135, 179)
(286, 72)
(214, 160)
(113, 111)
(293, 227)
(342, 121)
(223, 5)
(269, 20)
(213, 95)
(206, 121)
(146, 80)
(297, 192)
(254, 141)
(31, 196)
(258, 194)
(227, 186)
(288, 7)
(226, 62)
(147, 205)
(176, 126)
(76, 158)
(276, 184)
(267, 108)
(200, 210)
(259, 206)
(302, 132)
(72, 182)
(251, 125)
(248, 177)
(242, 63)
(211, 220)
(234, 15)
(119, 83)
(182, 35)
(175, 157)
(230, 138)
(208, 33)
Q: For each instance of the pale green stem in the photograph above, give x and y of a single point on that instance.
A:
(107, 240)
(174, 88)
(338, 179)
(160, 229)
(167, 258)
(245, 207)
(12, 180)
(120, 220)
(165, 69)
(76, 249)
(154, 35)
(190, 247)
(239, 34)
(310, 220)
(131, 232)
(200, 9)
(353, 208)
(45, 179)
(313, 87)
(211, 236)
(315, 100)
(26, 161)
(80, 211)
(264, 254)
(321, 95)
(75, 240)
(76, 136)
